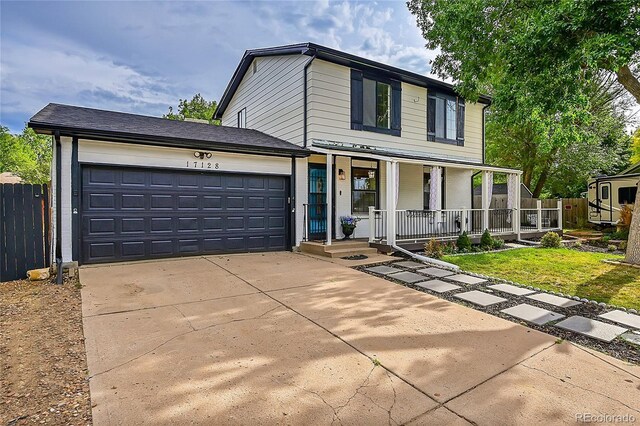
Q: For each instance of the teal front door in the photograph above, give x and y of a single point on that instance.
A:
(317, 208)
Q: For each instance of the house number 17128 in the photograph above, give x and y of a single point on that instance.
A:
(202, 165)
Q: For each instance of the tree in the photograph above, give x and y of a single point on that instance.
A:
(635, 147)
(198, 108)
(27, 155)
(601, 147)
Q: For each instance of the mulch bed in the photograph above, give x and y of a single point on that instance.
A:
(43, 367)
(618, 348)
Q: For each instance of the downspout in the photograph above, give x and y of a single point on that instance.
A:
(58, 208)
(484, 108)
(304, 101)
(425, 259)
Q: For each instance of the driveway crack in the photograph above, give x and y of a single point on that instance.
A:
(580, 387)
(193, 330)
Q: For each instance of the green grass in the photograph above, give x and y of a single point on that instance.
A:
(563, 270)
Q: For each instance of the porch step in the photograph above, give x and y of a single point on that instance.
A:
(337, 248)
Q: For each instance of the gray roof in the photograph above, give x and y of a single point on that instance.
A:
(134, 128)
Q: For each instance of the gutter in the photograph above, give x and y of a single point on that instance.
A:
(58, 208)
(304, 101)
(168, 141)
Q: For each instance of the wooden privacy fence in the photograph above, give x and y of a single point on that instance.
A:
(574, 210)
(24, 229)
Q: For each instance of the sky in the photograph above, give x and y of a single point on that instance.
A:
(142, 57)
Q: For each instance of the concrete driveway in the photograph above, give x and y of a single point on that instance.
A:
(287, 338)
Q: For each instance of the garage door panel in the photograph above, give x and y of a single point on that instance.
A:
(137, 213)
(133, 178)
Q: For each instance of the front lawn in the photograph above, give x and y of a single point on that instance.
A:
(562, 270)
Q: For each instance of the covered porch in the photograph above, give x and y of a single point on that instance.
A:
(404, 201)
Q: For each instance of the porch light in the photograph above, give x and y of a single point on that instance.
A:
(342, 175)
(201, 155)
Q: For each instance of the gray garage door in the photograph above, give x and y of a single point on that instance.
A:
(130, 214)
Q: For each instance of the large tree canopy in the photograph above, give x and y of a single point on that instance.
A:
(27, 155)
(530, 41)
(547, 65)
(198, 108)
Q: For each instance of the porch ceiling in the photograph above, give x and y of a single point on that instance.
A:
(382, 154)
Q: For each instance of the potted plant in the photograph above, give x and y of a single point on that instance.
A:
(349, 224)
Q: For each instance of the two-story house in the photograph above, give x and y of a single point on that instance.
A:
(395, 149)
(309, 135)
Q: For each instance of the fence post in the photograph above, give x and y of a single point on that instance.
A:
(560, 203)
(539, 214)
(372, 224)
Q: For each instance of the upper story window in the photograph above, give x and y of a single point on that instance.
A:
(242, 118)
(375, 103)
(445, 119)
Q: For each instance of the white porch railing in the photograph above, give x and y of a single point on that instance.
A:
(414, 225)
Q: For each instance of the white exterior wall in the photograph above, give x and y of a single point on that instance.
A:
(411, 192)
(329, 117)
(273, 97)
(177, 158)
(65, 199)
(457, 188)
(302, 196)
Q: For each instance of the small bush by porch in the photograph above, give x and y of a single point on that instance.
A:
(568, 271)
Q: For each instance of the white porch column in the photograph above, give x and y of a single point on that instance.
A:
(487, 184)
(513, 200)
(435, 189)
(329, 198)
(391, 201)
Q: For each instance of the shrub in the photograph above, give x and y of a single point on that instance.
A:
(433, 249)
(612, 247)
(622, 245)
(551, 240)
(464, 242)
(449, 248)
(486, 242)
(497, 243)
(578, 244)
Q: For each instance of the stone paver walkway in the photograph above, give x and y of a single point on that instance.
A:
(461, 286)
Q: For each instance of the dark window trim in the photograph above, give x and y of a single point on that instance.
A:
(243, 111)
(431, 135)
(377, 190)
(394, 85)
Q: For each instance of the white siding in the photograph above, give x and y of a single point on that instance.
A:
(177, 158)
(329, 117)
(302, 195)
(65, 199)
(273, 97)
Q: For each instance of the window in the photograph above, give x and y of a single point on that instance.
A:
(426, 188)
(627, 194)
(445, 119)
(604, 193)
(364, 189)
(375, 103)
(242, 118)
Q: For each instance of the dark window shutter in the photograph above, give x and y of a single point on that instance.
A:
(356, 99)
(396, 106)
(431, 118)
(460, 122)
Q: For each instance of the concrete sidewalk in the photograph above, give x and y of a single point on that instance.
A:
(287, 338)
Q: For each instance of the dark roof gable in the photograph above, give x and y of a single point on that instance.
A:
(119, 126)
(331, 55)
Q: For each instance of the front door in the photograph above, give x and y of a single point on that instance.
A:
(317, 208)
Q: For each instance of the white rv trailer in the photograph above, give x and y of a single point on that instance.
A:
(608, 194)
